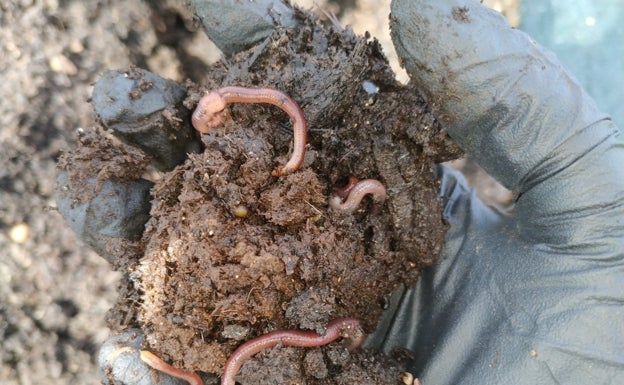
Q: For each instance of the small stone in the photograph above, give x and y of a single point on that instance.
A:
(240, 211)
(19, 233)
(60, 63)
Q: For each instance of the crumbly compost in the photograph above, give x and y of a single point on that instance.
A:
(232, 252)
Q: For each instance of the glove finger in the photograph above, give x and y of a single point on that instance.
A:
(119, 362)
(511, 105)
(118, 211)
(146, 111)
(506, 101)
(235, 25)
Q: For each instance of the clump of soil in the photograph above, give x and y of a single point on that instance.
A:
(231, 252)
(331, 365)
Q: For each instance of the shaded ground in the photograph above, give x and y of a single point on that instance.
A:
(54, 292)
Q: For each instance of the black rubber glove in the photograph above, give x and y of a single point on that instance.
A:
(536, 295)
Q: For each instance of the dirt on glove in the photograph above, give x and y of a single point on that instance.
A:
(232, 252)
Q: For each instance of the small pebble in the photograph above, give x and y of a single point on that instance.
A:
(240, 211)
(19, 233)
(75, 46)
(407, 378)
(370, 87)
(236, 332)
(60, 63)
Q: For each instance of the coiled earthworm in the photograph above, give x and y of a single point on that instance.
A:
(156, 363)
(356, 190)
(348, 328)
(209, 113)
(343, 191)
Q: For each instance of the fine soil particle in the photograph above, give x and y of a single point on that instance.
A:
(231, 252)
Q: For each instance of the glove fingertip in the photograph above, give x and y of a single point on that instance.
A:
(117, 210)
(147, 112)
(234, 28)
(120, 363)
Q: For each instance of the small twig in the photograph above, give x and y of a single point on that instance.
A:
(319, 212)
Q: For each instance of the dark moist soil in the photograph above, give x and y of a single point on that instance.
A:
(231, 252)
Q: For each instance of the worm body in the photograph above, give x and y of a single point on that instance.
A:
(209, 113)
(343, 191)
(356, 191)
(348, 328)
(156, 363)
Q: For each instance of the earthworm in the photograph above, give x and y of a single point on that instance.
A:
(356, 190)
(153, 361)
(348, 328)
(209, 113)
(343, 192)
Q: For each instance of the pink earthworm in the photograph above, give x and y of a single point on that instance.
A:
(156, 363)
(356, 190)
(349, 328)
(209, 113)
(343, 191)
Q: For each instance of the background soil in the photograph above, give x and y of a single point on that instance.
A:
(54, 292)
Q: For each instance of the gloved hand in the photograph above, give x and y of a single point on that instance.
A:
(534, 295)
(531, 296)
